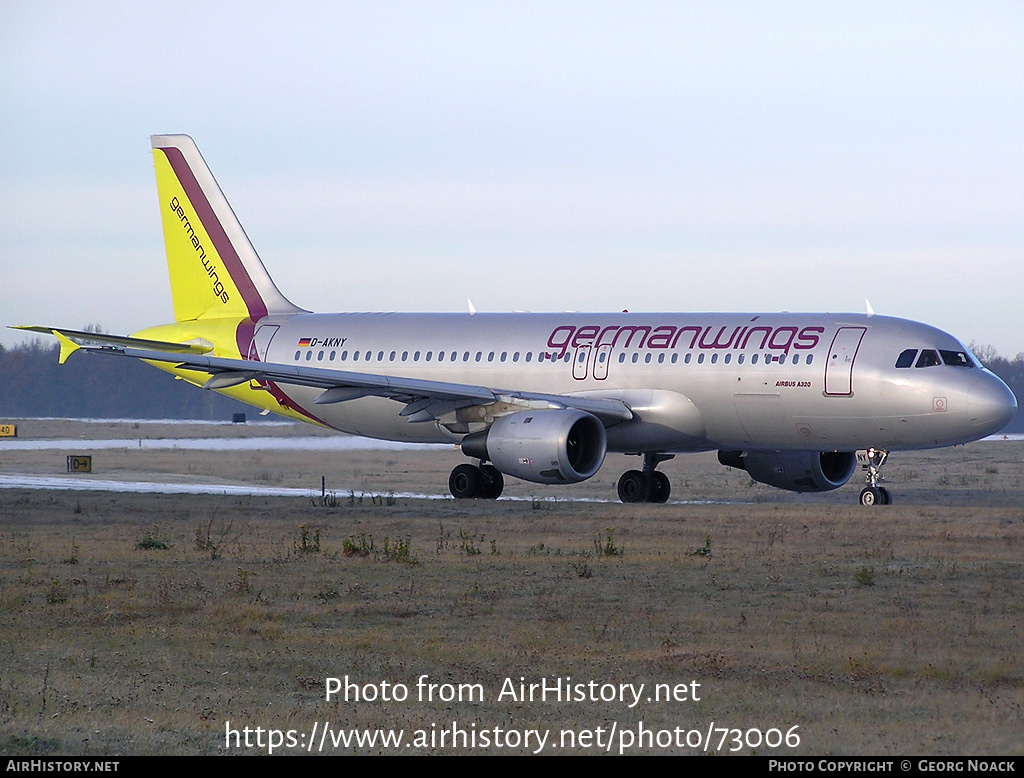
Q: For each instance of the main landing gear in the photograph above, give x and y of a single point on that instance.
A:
(468, 481)
(871, 461)
(648, 485)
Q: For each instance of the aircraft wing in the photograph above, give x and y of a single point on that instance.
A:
(82, 336)
(425, 399)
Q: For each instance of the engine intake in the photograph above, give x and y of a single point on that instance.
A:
(797, 471)
(545, 447)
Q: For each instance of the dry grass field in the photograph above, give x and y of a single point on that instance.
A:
(143, 623)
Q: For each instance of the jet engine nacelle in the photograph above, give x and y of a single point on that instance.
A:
(797, 471)
(545, 447)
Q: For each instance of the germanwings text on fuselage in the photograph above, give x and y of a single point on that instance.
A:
(667, 336)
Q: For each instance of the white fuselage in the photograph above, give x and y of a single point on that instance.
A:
(693, 381)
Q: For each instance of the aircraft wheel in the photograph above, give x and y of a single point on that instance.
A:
(493, 482)
(871, 495)
(633, 487)
(661, 487)
(886, 497)
(466, 482)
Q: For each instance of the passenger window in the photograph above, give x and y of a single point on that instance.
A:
(490, 357)
(429, 355)
(309, 355)
(661, 358)
(635, 358)
(753, 359)
(728, 358)
(368, 355)
(297, 353)
(906, 358)
(416, 356)
(928, 358)
(714, 359)
(380, 356)
(687, 358)
(529, 355)
(810, 358)
(355, 356)
(405, 356)
(333, 355)
(478, 355)
(622, 358)
(700, 359)
(675, 358)
(392, 357)
(503, 355)
(647, 359)
(455, 356)
(740, 359)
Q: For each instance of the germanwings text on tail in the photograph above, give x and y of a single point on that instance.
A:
(798, 401)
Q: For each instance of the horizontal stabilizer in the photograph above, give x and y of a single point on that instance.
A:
(81, 337)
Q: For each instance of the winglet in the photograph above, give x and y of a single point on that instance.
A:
(194, 346)
(871, 311)
(67, 346)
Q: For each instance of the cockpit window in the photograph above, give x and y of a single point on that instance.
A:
(928, 358)
(906, 359)
(956, 358)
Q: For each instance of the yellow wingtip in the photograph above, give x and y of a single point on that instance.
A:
(67, 347)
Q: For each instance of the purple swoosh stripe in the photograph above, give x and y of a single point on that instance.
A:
(244, 336)
(250, 295)
(253, 302)
(279, 394)
(244, 333)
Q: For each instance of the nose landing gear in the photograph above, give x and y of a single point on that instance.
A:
(648, 485)
(871, 461)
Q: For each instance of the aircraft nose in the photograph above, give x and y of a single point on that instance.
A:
(990, 405)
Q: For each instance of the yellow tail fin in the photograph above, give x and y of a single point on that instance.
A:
(215, 271)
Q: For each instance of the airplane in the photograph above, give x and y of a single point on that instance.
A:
(797, 400)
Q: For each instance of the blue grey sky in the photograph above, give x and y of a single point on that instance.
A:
(531, 156)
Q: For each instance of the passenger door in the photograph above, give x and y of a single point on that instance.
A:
(841, 356)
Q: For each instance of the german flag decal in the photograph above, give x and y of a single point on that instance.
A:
(303, 342)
